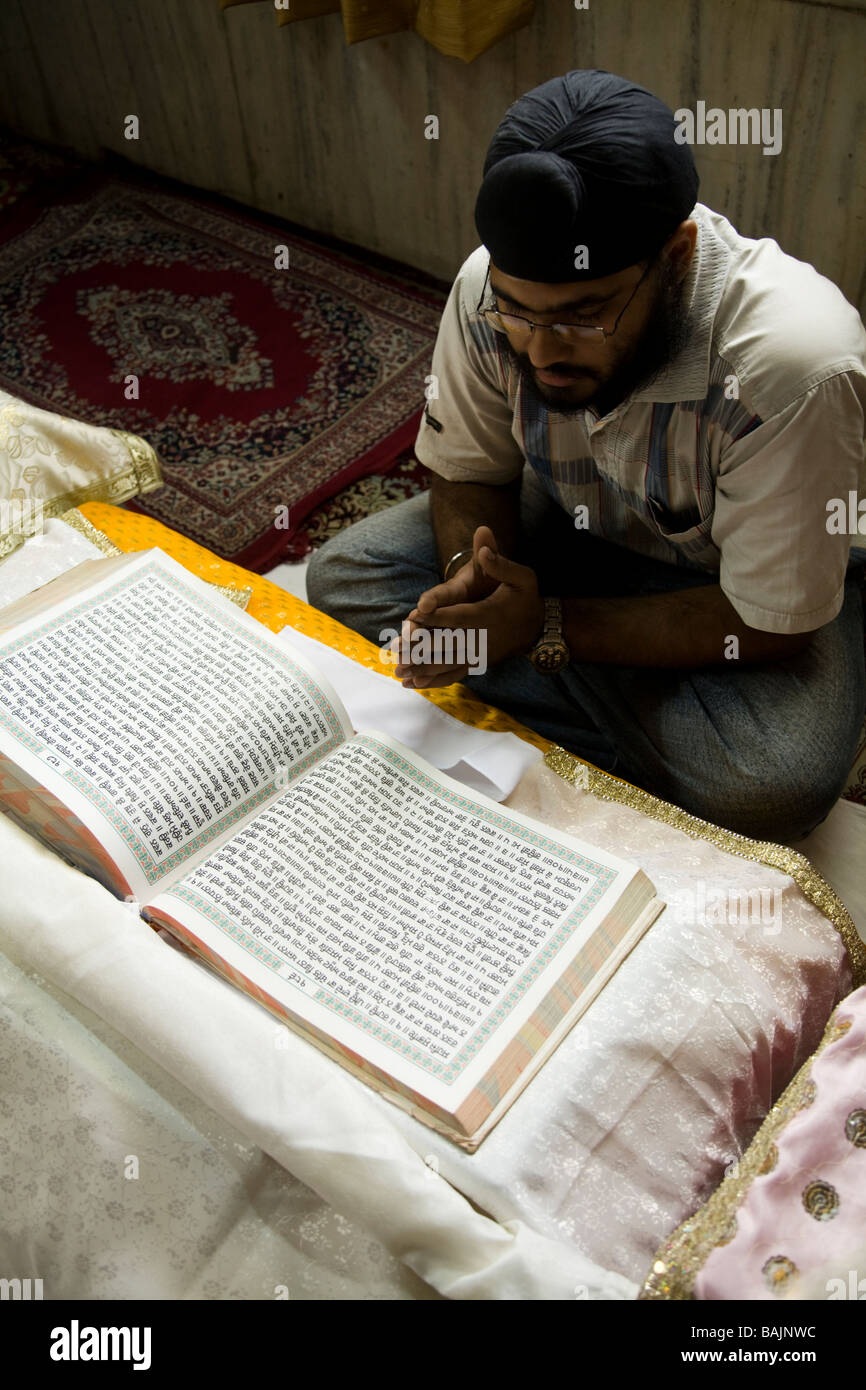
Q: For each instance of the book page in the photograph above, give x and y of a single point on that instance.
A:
(412, 921)
(156, 707)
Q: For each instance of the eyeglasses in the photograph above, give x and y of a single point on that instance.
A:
(517, 325)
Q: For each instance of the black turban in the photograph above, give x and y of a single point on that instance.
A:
(585, 160)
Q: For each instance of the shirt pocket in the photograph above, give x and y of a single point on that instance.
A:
(681, 526)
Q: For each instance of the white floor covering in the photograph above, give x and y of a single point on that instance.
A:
(292, 578)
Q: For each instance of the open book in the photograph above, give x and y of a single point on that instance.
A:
(434, 943)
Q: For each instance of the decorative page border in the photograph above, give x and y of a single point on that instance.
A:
(451, 1071)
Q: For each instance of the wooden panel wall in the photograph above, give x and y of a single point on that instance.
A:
(292, 121)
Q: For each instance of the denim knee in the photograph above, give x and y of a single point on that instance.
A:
(775, 803)
(330, 573)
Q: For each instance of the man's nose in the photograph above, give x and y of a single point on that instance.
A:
(545, 349)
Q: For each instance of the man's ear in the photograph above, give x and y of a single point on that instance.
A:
(680, 247)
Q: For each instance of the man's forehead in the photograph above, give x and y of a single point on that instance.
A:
(545, 297)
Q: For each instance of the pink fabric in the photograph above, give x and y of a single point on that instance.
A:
(801, 1228)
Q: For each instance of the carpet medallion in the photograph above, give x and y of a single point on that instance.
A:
(264, 390)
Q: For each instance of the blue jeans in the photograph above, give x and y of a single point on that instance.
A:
(763, 749)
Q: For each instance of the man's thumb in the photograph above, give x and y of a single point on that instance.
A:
(496, 565)
(483, 537)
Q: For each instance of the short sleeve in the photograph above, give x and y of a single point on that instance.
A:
(778, 494)
(466, 429)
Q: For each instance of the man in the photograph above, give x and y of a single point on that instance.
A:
(639, 426)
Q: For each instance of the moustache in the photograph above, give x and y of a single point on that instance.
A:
(557, 369)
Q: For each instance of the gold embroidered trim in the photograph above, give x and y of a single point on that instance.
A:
(79, 522)
(239, 596)
(680, 1259)
(143, 476)
(788, 861)
(145, 462)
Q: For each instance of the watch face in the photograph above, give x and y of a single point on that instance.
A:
(550, 656)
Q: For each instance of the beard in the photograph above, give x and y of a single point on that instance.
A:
(665, 334)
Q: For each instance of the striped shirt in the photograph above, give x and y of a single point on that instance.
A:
(726, 462)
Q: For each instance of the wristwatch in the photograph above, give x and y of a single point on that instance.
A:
(550, 652)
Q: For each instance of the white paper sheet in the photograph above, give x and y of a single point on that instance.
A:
(488, 762)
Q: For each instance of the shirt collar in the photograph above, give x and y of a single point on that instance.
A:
(687, 377)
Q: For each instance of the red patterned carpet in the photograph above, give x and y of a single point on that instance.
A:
(265, 391)
(352, 503)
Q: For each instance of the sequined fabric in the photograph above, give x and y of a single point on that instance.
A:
(795, 1204)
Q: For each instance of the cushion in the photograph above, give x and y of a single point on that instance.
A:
(49, 463)
(788, 1220)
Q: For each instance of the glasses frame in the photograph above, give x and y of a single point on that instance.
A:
(574, 332)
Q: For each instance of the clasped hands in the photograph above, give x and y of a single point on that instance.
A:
(488, 594)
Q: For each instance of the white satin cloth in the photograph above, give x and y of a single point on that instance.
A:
(115, 1046)
(49, 463)
(265, 1168)
(42, 558)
